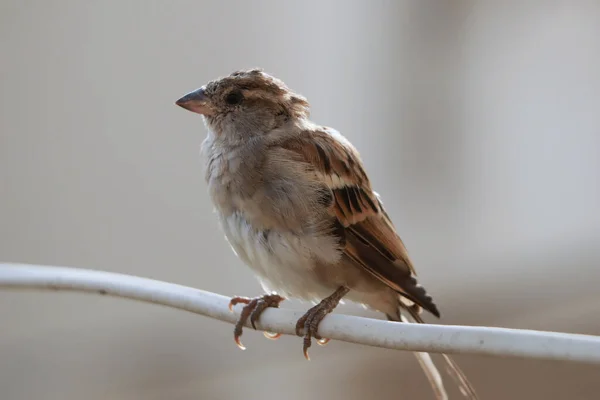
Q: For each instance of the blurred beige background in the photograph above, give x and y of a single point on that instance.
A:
(479, 124)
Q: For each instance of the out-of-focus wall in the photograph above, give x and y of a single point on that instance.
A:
(479, 124)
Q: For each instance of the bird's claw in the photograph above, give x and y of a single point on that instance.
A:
(237, 300)
(253, 309)
(272, 335)
(238, 342)
(308, 324)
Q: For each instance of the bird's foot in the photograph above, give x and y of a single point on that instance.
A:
(253, 309)
(308, 324)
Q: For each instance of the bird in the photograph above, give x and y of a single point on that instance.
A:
(297, 206)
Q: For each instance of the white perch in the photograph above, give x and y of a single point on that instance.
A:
(414, 337)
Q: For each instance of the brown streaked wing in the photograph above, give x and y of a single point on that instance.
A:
(369, 235)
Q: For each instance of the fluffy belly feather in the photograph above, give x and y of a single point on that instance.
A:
(285, 263)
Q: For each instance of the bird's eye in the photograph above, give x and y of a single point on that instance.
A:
(234, 97)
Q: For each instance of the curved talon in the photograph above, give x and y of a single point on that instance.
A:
(237, 300)
(253, 309)
(239, 343)
(310, 321)
(305, 346)
(272, 335)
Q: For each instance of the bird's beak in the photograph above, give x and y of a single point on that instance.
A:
(196, 101)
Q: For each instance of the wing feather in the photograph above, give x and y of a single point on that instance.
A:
(370, 239)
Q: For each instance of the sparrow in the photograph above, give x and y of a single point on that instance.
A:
(297, 207)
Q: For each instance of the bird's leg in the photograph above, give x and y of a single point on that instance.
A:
(308, 324)
(253, 309)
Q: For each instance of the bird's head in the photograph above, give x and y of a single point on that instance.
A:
(245, 103)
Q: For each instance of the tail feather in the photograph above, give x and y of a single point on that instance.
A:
(432, 372)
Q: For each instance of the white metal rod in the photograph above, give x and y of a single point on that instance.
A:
(392, 335)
